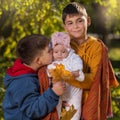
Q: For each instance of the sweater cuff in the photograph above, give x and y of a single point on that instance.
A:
(52, 94)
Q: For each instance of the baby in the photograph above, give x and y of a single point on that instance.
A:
(65, 55)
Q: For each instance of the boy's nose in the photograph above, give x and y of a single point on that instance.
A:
(75, 25)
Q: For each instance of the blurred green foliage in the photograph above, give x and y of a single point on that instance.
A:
(23, 17)
(114, 54)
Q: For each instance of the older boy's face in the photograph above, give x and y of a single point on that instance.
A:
(76, 26)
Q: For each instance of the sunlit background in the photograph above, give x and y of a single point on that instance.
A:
(23, 17)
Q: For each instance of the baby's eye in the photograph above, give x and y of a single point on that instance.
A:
(63, 52)
(56, 52)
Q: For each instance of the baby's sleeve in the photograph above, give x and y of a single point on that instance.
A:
(78, 65)
(81, 76)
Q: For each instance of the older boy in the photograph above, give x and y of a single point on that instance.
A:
(99, 76)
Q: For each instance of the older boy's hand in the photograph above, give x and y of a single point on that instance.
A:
(59, 87)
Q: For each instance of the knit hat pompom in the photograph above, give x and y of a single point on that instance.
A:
(60, 38)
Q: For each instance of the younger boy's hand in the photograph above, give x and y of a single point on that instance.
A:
(59, 87)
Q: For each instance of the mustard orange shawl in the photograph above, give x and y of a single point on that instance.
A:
(98, 104)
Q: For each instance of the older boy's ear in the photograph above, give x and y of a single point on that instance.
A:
(88, 21)
(64, 26)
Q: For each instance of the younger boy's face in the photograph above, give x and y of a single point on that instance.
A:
(76, 26)
(46, 57)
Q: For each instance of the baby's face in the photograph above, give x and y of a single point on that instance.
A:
(60, 52)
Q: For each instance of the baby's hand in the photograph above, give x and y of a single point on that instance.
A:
(75, 73)
(59, 87)
(55, 64)
(65, 104)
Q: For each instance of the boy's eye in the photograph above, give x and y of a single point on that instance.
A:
(50, 51)
(80, 20)
(69, 23)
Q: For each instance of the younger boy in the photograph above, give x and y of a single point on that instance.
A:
(22, 99)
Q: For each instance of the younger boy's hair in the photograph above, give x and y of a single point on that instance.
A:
(73, 8)
(29, 46)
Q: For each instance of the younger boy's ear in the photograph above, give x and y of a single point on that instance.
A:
(38, 60)
(88, 21)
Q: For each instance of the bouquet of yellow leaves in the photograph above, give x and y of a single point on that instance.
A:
(67, 115)
(60, 73)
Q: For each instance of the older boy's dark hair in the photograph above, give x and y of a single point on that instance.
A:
(29, 46)
(73, 8)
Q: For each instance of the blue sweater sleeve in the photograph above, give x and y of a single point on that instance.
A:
(25, 93)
